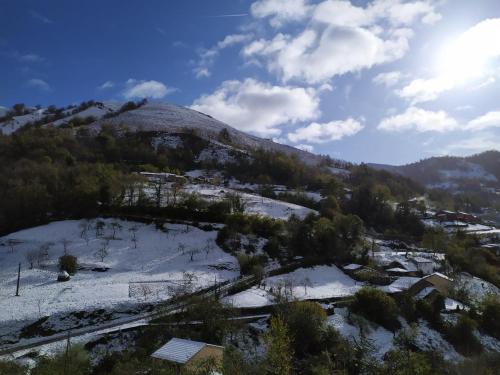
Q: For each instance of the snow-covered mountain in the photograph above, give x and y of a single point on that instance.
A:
(163, 118)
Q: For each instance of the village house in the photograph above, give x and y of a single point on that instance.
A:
(437, 281)
(444, 215)
(189, 354)
(424, 265)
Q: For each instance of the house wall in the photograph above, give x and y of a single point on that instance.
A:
(209, 352)
(426, 268)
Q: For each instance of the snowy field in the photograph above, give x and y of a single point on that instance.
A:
(159, 256)
(255, 204)
(305, 283)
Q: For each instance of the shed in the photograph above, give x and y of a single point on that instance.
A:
(188, 353)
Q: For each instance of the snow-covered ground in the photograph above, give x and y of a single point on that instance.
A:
(382, 340)
(379, 337)
(255, 204)
(476, 287)
(159, 256)
(305, 283)
(17, 122)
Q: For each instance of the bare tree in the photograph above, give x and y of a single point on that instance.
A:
(84, 228)
(158, 183)
(43, 253)
(145, 291)
(182, 248)
(192, 252)
(65, 243)
(99, 228)
(102, 252)
(176, 188)
(133, 230)
(209, 246)
(115, 226)
(12, 243)
(306, 282)
(31, 257)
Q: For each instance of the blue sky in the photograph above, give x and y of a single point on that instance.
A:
(388, 81)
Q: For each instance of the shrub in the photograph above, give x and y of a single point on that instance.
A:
(306, 322)
(249, 262)
(376, 306)
(490, 315)
(75, 361)
(12, 368)
(461, 335)
(68, 263)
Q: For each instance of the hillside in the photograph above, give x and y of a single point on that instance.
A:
(453, 173)
(157, 117)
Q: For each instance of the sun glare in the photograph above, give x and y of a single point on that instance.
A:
(468, 56)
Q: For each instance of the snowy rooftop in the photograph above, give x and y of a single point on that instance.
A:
(440, 275)
(178, 350)
(424, 292)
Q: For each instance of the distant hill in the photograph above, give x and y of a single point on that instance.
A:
(453, 173)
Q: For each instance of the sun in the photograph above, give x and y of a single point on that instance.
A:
(469, 55)
(463, 59)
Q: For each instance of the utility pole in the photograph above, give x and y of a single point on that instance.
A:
(18, 279)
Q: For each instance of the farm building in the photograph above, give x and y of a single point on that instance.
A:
(436, 280)
(189, 354)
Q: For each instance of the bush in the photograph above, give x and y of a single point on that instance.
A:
(248, 263)
(376, 306)
(490, 315)
(461, 335)
(306, 322)
(12, 368)
(68, 263)
(75, 362)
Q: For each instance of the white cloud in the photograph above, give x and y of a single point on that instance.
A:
(145, 89)
(31, 58)
(279, 11)
(316, 56)
(201, 72)
(39, 84)
(106, 85)
(424, 90)
(259, 107)
(339, 37)
(305, 147)
(420, 120)
(208, 56)
(489, 120)
(397, 12)
(40, 17)
(330, 131)
(388, 79)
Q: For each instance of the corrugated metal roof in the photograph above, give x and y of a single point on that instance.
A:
(178, 350)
